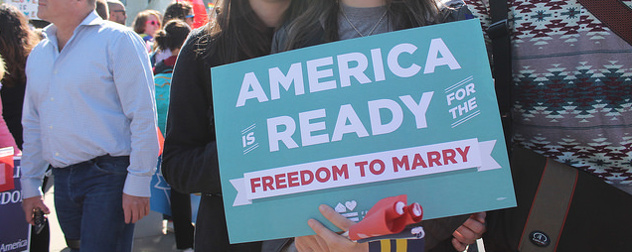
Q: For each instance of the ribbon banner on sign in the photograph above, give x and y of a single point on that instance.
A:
(367, 168)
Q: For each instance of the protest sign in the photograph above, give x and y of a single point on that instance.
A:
(28, 7)
(160, 192)
(15, 232)
(348, 123)
(6, 169)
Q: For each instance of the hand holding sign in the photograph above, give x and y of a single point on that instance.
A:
(327, 240)
(470, 231)
(387, 216)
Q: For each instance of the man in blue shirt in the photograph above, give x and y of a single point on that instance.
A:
(89, 113)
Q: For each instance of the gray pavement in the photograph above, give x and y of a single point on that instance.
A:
(148, 236)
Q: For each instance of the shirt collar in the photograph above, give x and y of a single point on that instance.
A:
(92, 19)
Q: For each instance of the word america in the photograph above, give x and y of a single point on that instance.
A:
(322, 68)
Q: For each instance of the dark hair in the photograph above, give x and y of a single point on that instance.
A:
(16, 42)
(102, 9)
(141, 19)
(237, 33)
(177, 10)
(323, 14)
(173, 35)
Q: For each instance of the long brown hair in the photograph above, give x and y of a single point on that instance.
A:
(323, 15)
(237, 33)
(16, 42)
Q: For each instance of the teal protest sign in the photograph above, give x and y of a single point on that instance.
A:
(349, 123)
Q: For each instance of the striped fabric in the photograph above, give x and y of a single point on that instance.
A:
(399, 245)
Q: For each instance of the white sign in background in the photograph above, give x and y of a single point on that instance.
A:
(28, 7)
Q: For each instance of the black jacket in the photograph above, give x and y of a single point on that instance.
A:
(190, 163)
(12, 103)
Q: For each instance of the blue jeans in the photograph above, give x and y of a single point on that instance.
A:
(88, 201)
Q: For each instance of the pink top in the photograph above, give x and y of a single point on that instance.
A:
(6, 139)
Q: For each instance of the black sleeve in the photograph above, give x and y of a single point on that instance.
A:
(439, 232)
(190, 154)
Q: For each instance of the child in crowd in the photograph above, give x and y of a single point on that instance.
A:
(146, 24)
(170, 39)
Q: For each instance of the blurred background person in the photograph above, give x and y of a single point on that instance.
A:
(170, 39)
(16, 42)
(176, 10)
(102, 9)
(179, 10)
(200, 11)
(117, 11)
(146, 24)
(183, 11)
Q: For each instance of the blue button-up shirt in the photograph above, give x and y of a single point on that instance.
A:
(94, 97)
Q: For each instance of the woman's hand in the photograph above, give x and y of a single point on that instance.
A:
(471, 230)
(327, 240)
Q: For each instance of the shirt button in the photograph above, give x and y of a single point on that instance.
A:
(56, 153)
(55, 72)
(50, 127)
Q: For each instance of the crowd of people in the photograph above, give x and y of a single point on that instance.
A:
(161, 44)
(94, 121)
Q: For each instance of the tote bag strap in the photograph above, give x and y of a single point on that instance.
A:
(614, 14)
(550, 206)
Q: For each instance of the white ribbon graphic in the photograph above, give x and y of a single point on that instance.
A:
(365, 168)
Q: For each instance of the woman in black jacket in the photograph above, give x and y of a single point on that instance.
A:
(333, 20)
(242, 30)
(16, 42)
